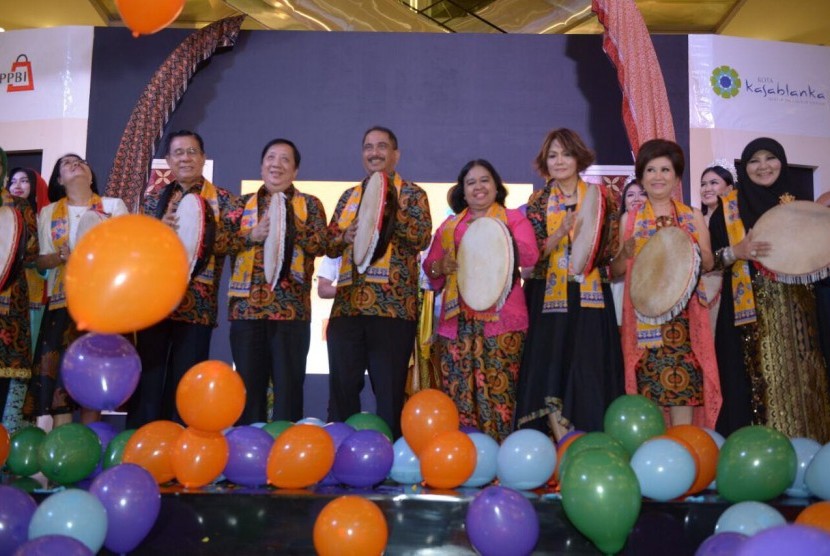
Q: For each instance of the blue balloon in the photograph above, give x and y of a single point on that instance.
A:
(248, 450)
(664, 469)
(338, 431)
(16, 510)
(311, 421)
(721, 544)
(259, 424)
(487, 453)
(406, 467)
(72, 513)
(100, 371)
(363, 459)
(105, 432)
(817, 477)
(50, 545)
(526, 460)
(787, 540)
(502, 522)
(805, 451)
(131, 498)
(748, 518)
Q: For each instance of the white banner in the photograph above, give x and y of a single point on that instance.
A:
(762, 86)
(45, 73)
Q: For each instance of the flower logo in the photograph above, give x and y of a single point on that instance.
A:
(725, 82)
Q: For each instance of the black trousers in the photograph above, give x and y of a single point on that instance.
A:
(274, 349)
(167, 351)
(382, 345)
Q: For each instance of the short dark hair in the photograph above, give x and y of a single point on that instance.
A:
(571, 142)
(32, 175)
(56, 190)
(386, 130)
(280, 141)
(182, 133)
(455, 197)
(655, 148)
(724, 174)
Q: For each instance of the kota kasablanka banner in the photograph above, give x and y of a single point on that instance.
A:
(45, 73)
(763, 86)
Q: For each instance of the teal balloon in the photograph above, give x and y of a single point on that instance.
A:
(23, 450)
(73, 513)
(592, 440)
(114, 452)
(755, 463)
(69, 453)
(276, 428)
(601, 497)
(632, 419)
(363, 421)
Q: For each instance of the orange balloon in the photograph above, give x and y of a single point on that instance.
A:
(350, 526)
(210, 396)
(301, 456)
(425, 415)
(145, 17)
(5, 444)
(816, 515)
(151, 447)
(126, 274)
(701, 445)
(448, 460)
(199, 457)
(560, 452)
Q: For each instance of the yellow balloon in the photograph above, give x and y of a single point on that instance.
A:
(125, 274)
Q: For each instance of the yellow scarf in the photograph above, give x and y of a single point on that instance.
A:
(743, 297)
(59, 227)
(645, 226)
(556, 278)
(244, 265)
(210, 195)
(451, 300)
(378, 272)
(37, 288)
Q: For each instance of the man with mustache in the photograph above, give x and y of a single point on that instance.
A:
(373, 318)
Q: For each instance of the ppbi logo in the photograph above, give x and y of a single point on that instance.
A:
(725, 82)
(20, 77)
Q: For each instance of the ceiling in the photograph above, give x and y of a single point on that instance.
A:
(802, 21)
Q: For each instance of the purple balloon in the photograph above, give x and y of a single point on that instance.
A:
(363, 459)
(132, 499)
(502, 522)
(100, 371)
(248, 449)
(106, 433)
(787, 539)
(338, 432)
(721, 544)
(49, 545)
(16, 510)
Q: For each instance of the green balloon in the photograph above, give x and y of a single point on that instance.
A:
(632, 419)
(592, 440)
(276, 428)
(115, 449)
(755, 463)
(370, 421)
(23, 449)
(603, 499)
(69, 453)
(26, 484)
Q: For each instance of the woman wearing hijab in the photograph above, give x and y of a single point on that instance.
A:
(15, 335)
(480, 350)
(73, 190)
(772, 370)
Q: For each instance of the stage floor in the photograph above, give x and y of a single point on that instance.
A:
(222, 520)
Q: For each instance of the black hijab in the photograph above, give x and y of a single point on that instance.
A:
(753, 199)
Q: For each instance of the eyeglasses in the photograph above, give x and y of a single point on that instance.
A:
(69, 162)
(190, 151)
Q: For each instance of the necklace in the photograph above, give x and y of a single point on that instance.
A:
(566, 195)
